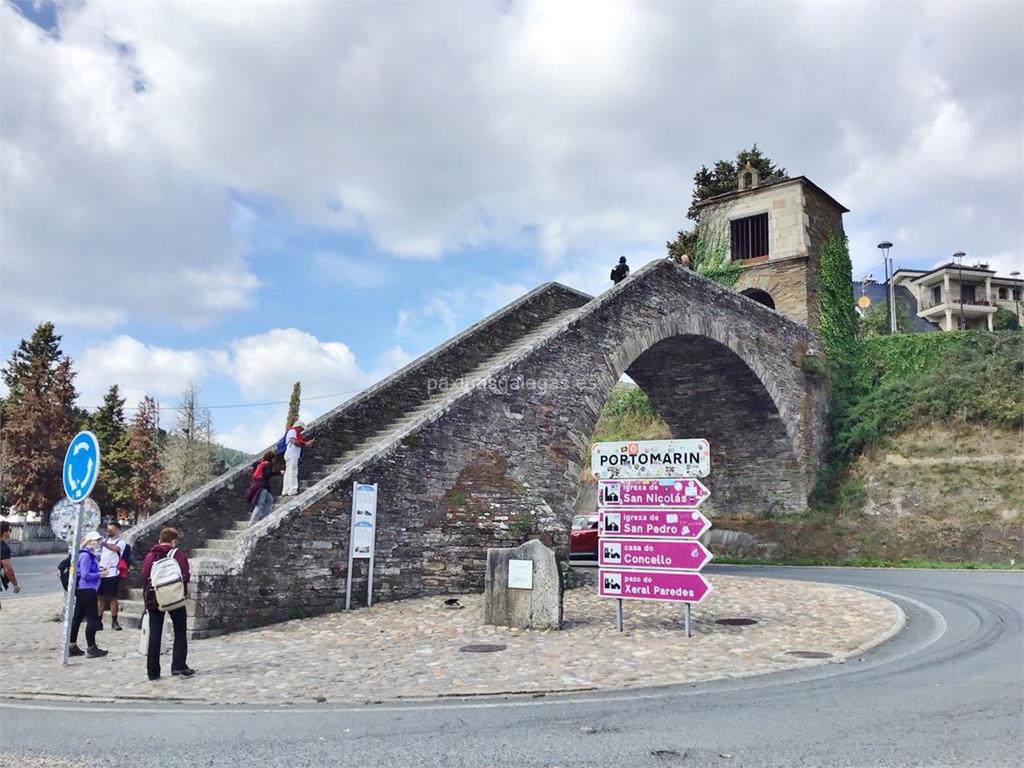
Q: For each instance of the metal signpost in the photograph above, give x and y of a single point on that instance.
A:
(362, 535)
(81, 468)
(648, 522)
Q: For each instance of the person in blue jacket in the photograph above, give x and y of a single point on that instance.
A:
(87, 587)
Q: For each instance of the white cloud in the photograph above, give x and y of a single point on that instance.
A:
(447, 312)
(266, 365)
(560, 128)
(138, 369)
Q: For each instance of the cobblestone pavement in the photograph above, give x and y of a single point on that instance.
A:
(411, 649)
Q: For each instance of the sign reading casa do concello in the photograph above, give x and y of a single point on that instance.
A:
(648, 521)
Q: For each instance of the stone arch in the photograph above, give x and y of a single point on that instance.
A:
(760, 296)
(705, 380)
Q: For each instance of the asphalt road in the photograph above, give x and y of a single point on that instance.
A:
(37, 575)
(947, 691)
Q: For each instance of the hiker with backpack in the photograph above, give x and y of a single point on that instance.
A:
(113, 567)
(620, 271)
(87, 587)
(294, 442)
(165, 576)
(259, 489)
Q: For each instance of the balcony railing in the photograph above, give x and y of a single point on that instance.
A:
(952, 299)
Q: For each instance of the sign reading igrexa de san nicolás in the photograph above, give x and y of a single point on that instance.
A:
(651, 492)
(651, 458)
(648, 523)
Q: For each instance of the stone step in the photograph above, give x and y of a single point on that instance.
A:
(225, 543)
(211, 554)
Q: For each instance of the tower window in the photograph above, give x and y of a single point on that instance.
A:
(749, 237)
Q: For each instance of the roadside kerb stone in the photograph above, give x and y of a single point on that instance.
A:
(410, 649)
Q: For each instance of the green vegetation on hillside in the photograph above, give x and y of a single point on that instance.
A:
(911, 380)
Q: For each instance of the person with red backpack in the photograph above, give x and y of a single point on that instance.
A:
(259, 489)
(165, 576)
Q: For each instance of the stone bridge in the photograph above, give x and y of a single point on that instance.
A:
(482, 443)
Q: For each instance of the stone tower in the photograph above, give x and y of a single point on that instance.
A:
(775, 229)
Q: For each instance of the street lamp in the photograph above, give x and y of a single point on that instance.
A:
(959, 256)
(890, 294)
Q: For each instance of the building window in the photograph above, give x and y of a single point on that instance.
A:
(1004, 294)
(749, 237)
(1016, 294)
(967, 292)
(936, 294)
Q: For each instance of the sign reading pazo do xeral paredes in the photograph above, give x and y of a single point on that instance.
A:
(648, 496)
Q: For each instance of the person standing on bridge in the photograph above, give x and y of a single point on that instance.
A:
(259, 489)
(620, 271)
(295, 441)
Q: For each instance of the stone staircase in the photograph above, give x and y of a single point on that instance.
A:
(213, 546)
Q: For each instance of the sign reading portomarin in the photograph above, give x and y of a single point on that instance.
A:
(651, 458)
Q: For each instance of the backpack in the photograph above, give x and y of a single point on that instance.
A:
(167, 582)
(127, 555)
(63, 567)
(282, 445)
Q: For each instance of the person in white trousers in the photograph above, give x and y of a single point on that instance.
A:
(292, 453)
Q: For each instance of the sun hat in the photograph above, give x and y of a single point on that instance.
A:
(91, 536)
(298, 425)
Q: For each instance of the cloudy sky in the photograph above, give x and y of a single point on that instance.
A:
(246, 194)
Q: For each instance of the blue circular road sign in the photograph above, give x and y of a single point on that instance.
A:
(81, 466)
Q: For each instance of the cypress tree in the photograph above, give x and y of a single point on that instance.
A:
(293, 405)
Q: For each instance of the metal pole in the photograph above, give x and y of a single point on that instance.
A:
(618, 614)
(888, 300)
(686, 620)
(351, 530)
(893, 325)
(69, 602)
(369, 582)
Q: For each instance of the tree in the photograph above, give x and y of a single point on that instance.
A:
(876, 321)
(143, 442)
(1005, 320)
(114, 487)
(188, 457)
(40, 419)
(293, 405)
(721, 178)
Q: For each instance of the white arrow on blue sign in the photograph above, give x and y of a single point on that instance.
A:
(81, 466)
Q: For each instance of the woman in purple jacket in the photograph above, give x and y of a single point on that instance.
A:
(87, 585)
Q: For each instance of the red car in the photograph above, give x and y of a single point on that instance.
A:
(583, 538)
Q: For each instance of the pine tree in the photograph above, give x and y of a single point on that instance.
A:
(293, 405)
(189, 459)
(40, 419)
(144, 456)
(114, 487)
(721, 178)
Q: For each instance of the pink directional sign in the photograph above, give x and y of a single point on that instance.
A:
(653, 523)
(653, 553)
(679, 587)
(683, 492)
